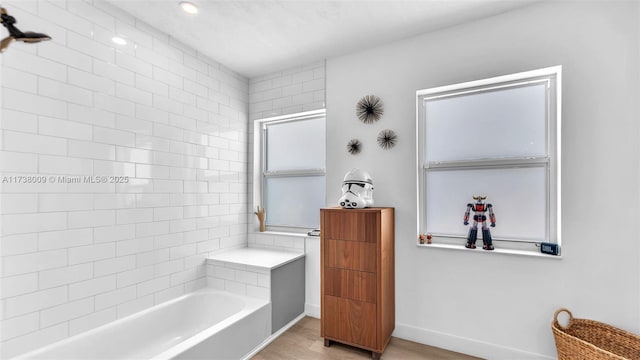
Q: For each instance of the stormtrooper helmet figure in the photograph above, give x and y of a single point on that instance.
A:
(357, 190)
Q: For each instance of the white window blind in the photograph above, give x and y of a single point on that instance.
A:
(295, 145)
(496, 137)
(292, 170)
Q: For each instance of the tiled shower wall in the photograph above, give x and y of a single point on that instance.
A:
(290, 91)
(281, 93)
(286, 92)
(123, 167)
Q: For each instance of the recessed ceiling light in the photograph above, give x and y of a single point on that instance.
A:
(188, 7)
(118, 40)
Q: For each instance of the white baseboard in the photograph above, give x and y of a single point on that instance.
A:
(463, 345)
(273, 336)
(451, 342)
(312, 310)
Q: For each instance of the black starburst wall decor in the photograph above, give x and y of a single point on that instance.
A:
(369, 109)
(354, 146)
(387, 139)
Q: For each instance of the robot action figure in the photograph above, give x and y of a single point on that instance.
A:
(479, 208)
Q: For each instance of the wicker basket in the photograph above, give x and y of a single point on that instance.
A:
(591, 340)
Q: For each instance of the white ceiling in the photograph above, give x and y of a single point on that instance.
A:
(257, 37)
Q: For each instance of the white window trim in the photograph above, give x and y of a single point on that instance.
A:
(259, 159)
(554, 136)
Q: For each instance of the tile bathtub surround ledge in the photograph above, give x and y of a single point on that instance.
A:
(270, 274)
(258, 258)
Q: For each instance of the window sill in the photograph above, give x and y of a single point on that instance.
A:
(281, 233)
(497, 250)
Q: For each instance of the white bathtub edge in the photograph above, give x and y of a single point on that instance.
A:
(34, 353)
(200, 337)
(273, 336)
(253, 304)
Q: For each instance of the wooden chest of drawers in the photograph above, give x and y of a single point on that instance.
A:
(357, 277)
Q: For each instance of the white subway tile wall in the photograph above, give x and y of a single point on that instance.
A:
(287, 92)
(282, 93)
(239, 279)
(167, 126)
(277, 241)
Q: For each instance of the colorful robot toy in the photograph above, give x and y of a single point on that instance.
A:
(479, 210)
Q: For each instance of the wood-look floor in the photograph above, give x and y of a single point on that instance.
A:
(303, 342)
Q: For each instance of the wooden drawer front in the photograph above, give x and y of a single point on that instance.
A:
(354, 285)
(356, 226)
(350, 321)
(350, 255)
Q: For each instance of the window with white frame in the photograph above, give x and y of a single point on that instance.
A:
(289, 169)
(499, 138)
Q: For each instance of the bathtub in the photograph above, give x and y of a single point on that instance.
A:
(207, 323)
